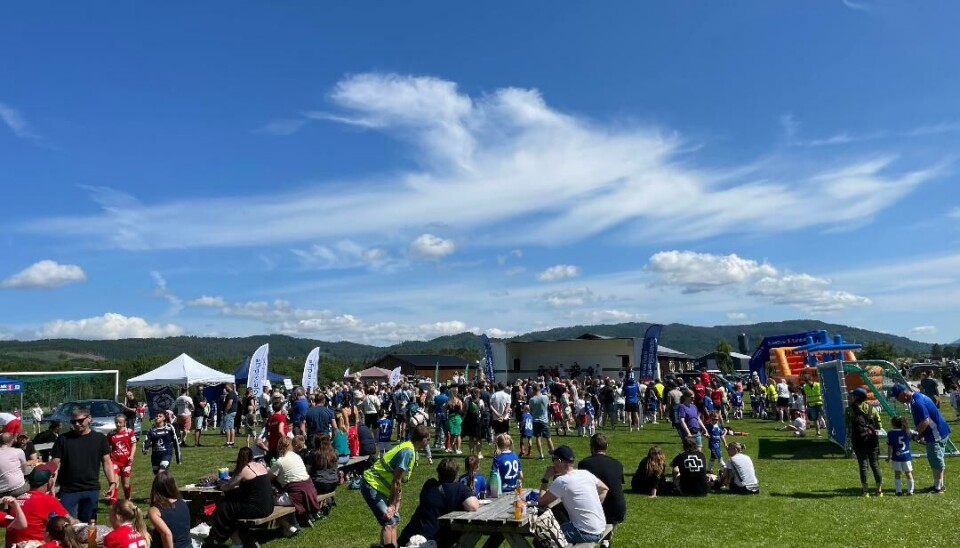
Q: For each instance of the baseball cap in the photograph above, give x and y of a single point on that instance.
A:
(41, 474)
(897, 389)
(859, 391)
(563, 453)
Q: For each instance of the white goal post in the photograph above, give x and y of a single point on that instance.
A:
(20, 374)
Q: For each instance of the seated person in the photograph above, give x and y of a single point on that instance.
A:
(248, 494)
(367, 441)
(291, 474)
(581, 494)
(690, 470)
(11, 514)
(169, 513)
(798, 424)
(650, 477)
(322, 465)
(473, 479)
(438, 497)
(739, 474)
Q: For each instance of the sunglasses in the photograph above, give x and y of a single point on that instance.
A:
(79, 421)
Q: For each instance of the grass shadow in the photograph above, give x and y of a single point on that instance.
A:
(822, 494)
(798, 448)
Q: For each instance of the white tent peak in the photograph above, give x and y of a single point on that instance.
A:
(182, 371)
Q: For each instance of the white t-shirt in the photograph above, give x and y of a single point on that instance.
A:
(743, 473)
(577, 490)
(184, 405)
(500, 405)
(289, 468)
(783, 390)
(800, 423)
(12, 461)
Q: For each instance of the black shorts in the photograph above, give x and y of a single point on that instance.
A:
(541, 429)
(783, 402)
(632, 407)
(501, 427)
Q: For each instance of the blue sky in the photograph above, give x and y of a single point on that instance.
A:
(381, 172)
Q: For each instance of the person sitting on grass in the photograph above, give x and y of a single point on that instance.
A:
(739, 474)
(438, 497)
(169, 513)
(247, 495)
(798, 423)
(291, 474)
(690, 470)
(650, 477)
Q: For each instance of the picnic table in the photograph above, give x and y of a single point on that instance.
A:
(494, 518)
(197, 498)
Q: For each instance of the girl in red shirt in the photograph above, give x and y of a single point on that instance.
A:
(60, 534)
(129, 530)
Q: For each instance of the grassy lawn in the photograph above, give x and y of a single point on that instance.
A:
(810, 497)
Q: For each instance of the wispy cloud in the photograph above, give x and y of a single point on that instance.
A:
(559, 272)
(287, 126)
(857, 6)
(15, 122)
(558, 179)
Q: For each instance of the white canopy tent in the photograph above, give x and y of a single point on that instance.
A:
(182, 371)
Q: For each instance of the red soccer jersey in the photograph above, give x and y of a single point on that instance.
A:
(37, 507)
(555, 410)
(5, 519)
(353, 441)
(124, 537)
(699, 391)
(274, 424)
(122, 444)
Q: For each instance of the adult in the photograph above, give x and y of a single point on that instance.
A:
(201, 412)
(130, 405)
(184, 409)
(650, 477)
(931, 427)
(783, 400)
(291, 474)
(581, 494)
(382, 483)
(49, 435)
(688, 419)
(319, 418)
(672, 403)
(247, 495)
(298, 412)
(690, 470)
(739, 474)
(11, 517)
(322, 465)
(367, 442)
(608, 399)
(539, 406)
(439, 496)
(370, 407)
(863, 422)
(929, 387)
(813, 394)
(610, 471)
(36, 413)
(13, 464)
(631, 398)
(455, 412)
(77, 455)
(38, 505)
(276, 427)
(500, 410)
(169, 513)
(231, 402)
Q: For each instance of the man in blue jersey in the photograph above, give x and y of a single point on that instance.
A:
(931, 427)
(631, 399)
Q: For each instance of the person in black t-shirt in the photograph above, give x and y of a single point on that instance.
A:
(610, 471)
(690, 470)
(130, 405)
(438, 497)
(78, 454)
(49, 435)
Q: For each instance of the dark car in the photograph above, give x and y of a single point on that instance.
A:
(102, 414)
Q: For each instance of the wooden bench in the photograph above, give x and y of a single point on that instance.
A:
(282, 516)
(607, 535)
(354, 461)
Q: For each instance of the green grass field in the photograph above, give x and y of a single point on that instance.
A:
(810, 498)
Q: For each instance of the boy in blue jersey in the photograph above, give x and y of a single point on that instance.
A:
(716, 441)
(898, 451)
(162, 443)
(653, 404)
(440, 418)
(507, 464)
(526, 430)
(736, 398)
(591, 416)
(384, 433)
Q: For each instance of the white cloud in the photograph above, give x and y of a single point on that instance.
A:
(955, 213)
(736, 316)
(347, 254)
(206, 301)
(515, 270)
(176, 303)
(611, 315)
(924, 330)
(502, 259)
(428, 246)
(558, 272)
(110, 326)
(15, 122)
(557, 179)
(696, 272)
(287, 126)
(45, 274)
(496, 333)
(569, 297)
(806, 292)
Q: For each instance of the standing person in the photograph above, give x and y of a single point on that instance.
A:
(298, 412)
(319, 417)
(36, 413)
(169, 513)
(123, 447)
(610, 471)
(370, 407)
(130, 406)
(440, 418)
(783, 400)
(581, 494)
(77, 455)
(230, 406)
(631, 399)
(162, 442)
(813, 394)
(455, 421)
(382, 483)
(200, 414)
(931, 427)
(184, 409)
(500, 410)
(863, 421)
(672, 403)
(276, 427)
(688, 419)
(539, 406)
(898, 451)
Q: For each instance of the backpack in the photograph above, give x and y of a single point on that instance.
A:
(863, 428)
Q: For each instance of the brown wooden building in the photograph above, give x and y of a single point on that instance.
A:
(423, 365)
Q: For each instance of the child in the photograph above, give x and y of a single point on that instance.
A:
(798, 425)
(591, 417)
(736, 398)
(384, 433)
(249, 426)
(756, 406)
(898, 451)
(556, 414)
(473, 479)
(353, 440)
(60, 534)
(162, 442)
(582, 418)
(507, 464)
(129, 530)
(653, 405)
(123, 446)
(526, 430)
(716, 441)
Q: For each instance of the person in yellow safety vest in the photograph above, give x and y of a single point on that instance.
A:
(814, 396)
(382, 483)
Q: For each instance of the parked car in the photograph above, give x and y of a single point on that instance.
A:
(102, 414)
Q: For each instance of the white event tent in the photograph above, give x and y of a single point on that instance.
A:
(182, 371)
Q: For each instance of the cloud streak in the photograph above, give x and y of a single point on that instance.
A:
(15, 122)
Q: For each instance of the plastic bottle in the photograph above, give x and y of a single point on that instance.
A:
(518, 507)
(495, 485)
(92, 534)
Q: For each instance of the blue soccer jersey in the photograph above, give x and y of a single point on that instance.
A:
(737, 399)
(716, 432)
(384, 429)
(508, 465)
(526, 425)
(900, 442)
(479, 483)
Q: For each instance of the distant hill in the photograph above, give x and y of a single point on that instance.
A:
(956, 342)
(693, 340)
